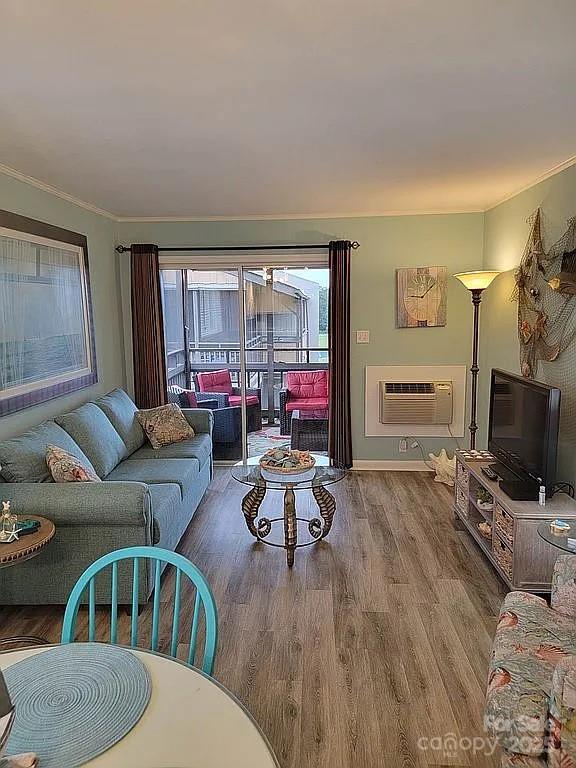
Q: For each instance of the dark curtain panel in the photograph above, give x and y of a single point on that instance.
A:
(340, 424)
(147, 328)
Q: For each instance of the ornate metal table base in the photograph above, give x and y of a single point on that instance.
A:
(261, 527)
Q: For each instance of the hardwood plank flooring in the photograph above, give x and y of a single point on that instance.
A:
(378, 638)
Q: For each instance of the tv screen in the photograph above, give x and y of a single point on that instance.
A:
(523, 431)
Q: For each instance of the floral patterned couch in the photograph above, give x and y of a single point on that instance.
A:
(531, 698)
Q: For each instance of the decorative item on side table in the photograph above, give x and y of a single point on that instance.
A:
(484, 499)
(34, 534)
(283, 461)
(420, 297)
(9, 524)
(485, 529)
(307, 472)
(476, 282)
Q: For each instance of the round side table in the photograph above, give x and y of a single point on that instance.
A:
(23, 549)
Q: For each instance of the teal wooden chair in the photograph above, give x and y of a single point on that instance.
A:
(203, 600)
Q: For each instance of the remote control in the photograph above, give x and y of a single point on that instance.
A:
(489, 472)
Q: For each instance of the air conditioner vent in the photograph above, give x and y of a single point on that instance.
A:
(409, 387)
(416, 402)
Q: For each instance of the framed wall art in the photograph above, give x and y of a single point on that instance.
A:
(47, 345)
(421, 297)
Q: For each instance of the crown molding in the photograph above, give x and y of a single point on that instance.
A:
(295, 216)
(546, 175)
(7, 171)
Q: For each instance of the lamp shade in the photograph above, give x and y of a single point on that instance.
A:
(476, 281)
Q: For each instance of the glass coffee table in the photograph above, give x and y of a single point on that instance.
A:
(566, 543)
(261, 481)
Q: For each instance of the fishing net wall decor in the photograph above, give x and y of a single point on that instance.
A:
(546, 295)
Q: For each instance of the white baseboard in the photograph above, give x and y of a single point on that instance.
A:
(391, 465)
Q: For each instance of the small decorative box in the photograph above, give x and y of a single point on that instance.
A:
(559, 527)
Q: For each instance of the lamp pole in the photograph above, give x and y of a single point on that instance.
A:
(473, 427)
(476, 282)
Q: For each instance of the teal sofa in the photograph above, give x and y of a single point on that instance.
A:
(147, 496)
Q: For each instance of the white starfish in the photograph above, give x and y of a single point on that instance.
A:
(444, 467)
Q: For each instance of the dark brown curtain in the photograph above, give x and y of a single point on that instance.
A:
(147, 328)
(340, 423)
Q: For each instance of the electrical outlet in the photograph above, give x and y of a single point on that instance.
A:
(403, 445)
(362, 337)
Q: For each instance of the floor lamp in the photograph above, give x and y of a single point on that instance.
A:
(476, 282)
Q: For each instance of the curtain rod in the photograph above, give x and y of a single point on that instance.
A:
(316, 246)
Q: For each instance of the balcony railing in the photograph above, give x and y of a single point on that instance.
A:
(261, 373)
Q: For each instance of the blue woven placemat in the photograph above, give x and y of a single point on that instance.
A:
(75, 701)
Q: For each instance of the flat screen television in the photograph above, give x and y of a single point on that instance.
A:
(523, 427)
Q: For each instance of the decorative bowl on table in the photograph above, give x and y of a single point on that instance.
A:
(283, 461)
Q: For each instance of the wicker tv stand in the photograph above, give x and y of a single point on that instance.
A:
(519, 555)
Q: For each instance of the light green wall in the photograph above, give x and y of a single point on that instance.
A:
(22, 198)
(386, 243)
(506, 232)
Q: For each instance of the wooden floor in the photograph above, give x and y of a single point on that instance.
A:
(374, 646)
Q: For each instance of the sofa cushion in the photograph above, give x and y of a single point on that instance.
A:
(166, 498)
(121, 411)
(183, 472)
(531, 639)
(23, 458)
(165, 425)
(66, 468)
(92, 430)
(198, 447)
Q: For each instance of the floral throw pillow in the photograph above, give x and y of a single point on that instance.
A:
(165, 425)
(66, 468)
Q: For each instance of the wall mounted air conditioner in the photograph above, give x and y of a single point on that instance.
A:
(415, 402)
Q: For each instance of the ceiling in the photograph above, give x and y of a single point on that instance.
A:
(216, 108)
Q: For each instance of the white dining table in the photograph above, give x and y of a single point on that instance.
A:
(191, 721)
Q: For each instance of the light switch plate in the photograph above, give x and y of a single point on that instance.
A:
(362, 337)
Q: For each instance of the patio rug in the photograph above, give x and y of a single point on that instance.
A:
(269, 437)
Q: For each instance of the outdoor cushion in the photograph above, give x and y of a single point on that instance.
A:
(23, 458)
(250, 400)
(92, 430)
(165, 500)
(215, 381)
(305, 384)
(197, 447)
(121, 411)
(307, 404)
(531, 639)
(183, 472)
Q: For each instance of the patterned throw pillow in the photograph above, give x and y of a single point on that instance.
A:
(165, 425)
(66, 468)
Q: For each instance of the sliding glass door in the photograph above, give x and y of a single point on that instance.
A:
(258, 357)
